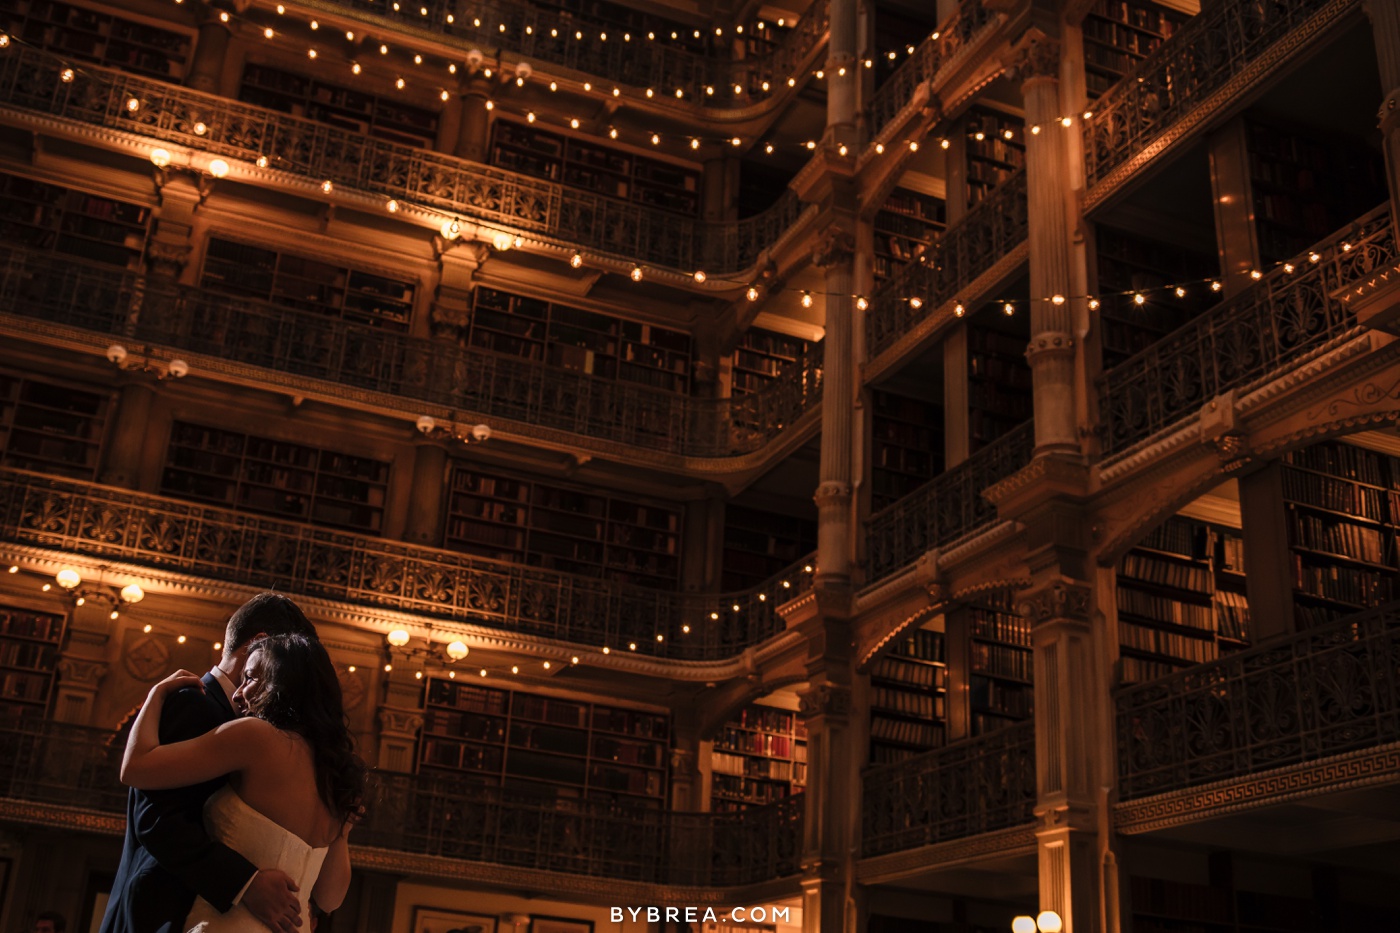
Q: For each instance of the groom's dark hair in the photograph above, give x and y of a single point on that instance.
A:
(265, 614)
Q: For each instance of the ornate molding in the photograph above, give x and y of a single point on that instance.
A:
(399, 723)
(825, 700)
(1060, 599)
(82, 673)
(832, 494)
(882, 869)
(835, 246)
(1035, 57)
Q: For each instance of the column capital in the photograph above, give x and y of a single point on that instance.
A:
(1035, 57)
(81, 673)
(399, 723)
(1060, 599)
(825, 700)
(836, 246)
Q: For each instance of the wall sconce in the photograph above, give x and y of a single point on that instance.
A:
(425, 657)
(106, 594)
(428, 426)
(175, 369)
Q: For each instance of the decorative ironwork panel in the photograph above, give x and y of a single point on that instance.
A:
(128, 306)
(222, 544)
(1200, 58)
(102, 97)
(975, 786)
(1247, 338)
(965, 250)
(971, 17)
(56, 763)
(1331, 689)
(947, 507)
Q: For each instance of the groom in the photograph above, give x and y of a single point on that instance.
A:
(168, 858)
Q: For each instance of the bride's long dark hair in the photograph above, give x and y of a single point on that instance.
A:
(301, 694)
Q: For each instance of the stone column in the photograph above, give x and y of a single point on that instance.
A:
(398, 736)
(423, 523)
(1385, 30)
(833, 498)
(832, 801)
(685, 775)
(1072, 749)
(124, 453)
(474, 132)
(1052, 348)
(84, 662)
(210, 52)
(452, 304)
(843, 89)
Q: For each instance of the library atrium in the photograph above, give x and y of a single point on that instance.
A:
(866, 466)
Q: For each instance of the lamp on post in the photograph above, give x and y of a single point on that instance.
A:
(1047, 921)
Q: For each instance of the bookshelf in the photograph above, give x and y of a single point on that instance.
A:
(291, 481)
(603, 170)
(563, 528)
(559, 747)
(762, 356)
(52, 218)
(75, 31)
(1180, 599)
(50, 428)
(579, 340)
(1304, 187)
(996, 150)
(909, 698)
(1342, 509)
(1162, 906)
(29, 645)
(1119, 34)
(906, 446)
(758, 544)
(334, 105)
(309, 284)
(759, 756)
(906, 227)
(998, 377)
(999, 663)
(1128, 263)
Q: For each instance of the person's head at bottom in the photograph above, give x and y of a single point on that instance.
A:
(50, 922)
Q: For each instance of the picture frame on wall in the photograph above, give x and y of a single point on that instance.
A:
(560, 925)
(443, 920)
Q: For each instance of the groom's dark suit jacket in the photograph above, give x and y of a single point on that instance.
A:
(168, 858)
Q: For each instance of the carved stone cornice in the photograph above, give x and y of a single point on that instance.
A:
(834, 246)
(826, 700)
(81, 673)
(399, 723)
(1058, 599)
(1035, 57)
(1044, 478)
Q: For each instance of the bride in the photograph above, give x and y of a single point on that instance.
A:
(295, 781)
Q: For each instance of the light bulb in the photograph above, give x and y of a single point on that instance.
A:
(916, 303)
(861, 303)
(219, 646)
(67, 578)
(1139, 299)
(1008, 309)
(806, 299)
(636, 273)
(262, 162)
(131, 593)
(751, 294)
(576, 260)
(181, 639)
(1180, 292)
(66, 75)
(959, 310)
(913, 146)
(457, 650)
(398, 638)
(327, 187)
(1093, 304)
(451, 229)
(218, 168)
(699, 276)
(160, 158)
(1057, 299)
(1023, 925)
(1049, 922)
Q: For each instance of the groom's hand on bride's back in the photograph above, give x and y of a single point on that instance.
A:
(272, 898)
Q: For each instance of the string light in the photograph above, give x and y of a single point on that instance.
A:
(576, 260)
(1008, 309)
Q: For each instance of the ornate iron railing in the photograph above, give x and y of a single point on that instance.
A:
(578, 43)
(947, 507)
(969, 248)
(1322, 692)
(975, 786)
(131, 307)
(1200, 58)
(54, 763)
(29, 80)
(1245, 339)
(950, 38)
(251, 550)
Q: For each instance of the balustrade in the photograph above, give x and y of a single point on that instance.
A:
(991, 230)
(947, 507)
(1210, 50)
(130, 307)
(597, 49)
(975, 786)
(1283, 316)
(29, 80)
(1328, 690)
(72, 766)
(251, 550)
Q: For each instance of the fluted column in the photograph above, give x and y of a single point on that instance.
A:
(84, 662)
(833, 497)
(474, 125)
(1052, 348)
(832, 799)
(842, 74)
(423, 523)
(1385, 29)
(122, 458)
(210, 52)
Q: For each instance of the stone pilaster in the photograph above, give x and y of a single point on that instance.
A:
(474, 124)
(843, 74)
(452, 305)
(832, 801)
(123, 455)
(398, 736)
(1385, 30)
(836, 254)
(210, 51)
(1053, 347)
(84, 662)
(685, 775)
(423, 524)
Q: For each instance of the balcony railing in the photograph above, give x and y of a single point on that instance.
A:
(947, 507)
(1282, 317)
(1202, 56)
(29, 80)
(72, 766)
(975, 786)
(251, 550)
(936, 50)
(969, 248)
(1325, 691)
(134, 308)
(544, 35)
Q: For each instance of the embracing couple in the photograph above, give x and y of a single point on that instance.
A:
(245, 786)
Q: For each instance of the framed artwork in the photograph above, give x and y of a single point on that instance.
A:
(560, 925)
(442, 920)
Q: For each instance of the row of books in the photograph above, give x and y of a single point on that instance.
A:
(1232, 615)
(30, 624)
(1177, 645)
(774, 769)
(928, 734)
(769, 720)
(1001, 698)
(30, 687)
(1001, 661)
(916, 675)
(1346, 584)
(1001, 626)
(759, 743)
(1140, 670)
(28, 655)
(751, 791)
(1335, 495)
(1162, 609)
(925, 705)
(1358, 541)
(1168, 573)
(1176, 536)
(1342, 460)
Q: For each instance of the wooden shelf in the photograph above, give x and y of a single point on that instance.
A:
(74, 31)
(306, 284)
(996, 156)
(563, 747)
(51, 428)
(906, 446)
(1118, 35)
(908, 698)
(343, 107)
(1129, 263)
(29, 649)
(999, 379)
(759, 544)
(275, 477)
(762, 356)
(907, 226)
(999, 663)
(759, 756)
(51, 218)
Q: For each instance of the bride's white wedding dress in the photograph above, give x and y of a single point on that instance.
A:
(267, 845)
